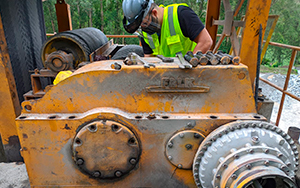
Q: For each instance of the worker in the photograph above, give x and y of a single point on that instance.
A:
(166, 30)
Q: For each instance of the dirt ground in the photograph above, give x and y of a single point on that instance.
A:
(13, 175)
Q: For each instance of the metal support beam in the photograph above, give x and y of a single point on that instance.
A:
(63, 15)
(9, 105)
(213, 12)
(257, 13)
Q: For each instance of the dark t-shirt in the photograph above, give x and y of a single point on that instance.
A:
(190, 25)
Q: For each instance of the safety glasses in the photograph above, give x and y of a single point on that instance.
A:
(133, 26)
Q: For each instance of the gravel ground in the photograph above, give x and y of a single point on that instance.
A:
(291, 109)
(13, 175)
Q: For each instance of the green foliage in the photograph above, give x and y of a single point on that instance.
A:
(266, 62)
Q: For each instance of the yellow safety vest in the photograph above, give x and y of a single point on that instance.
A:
(172, 41)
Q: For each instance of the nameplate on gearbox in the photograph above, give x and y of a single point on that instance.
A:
(177, 85)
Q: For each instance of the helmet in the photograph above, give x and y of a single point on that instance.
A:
(134, 13)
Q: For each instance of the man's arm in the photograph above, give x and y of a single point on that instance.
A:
(192, 27)
(146, 48)
(203, 41)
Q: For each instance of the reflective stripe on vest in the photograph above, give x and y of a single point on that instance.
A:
(172, 39)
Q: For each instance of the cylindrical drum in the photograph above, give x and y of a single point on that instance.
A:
(67, 49)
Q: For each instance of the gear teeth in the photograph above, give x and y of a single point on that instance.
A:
(244, 124)
(266, 126)
(278, 131)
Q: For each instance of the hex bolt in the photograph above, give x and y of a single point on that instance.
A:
(251, 151)
(233, 176)
(132, 161)
(266, 150)
(179, 165)
(281, 142)
(236, 156)
(279, 155)
(267, 163)
(255, 139)
(218, 176)
(170, 144)
(196, 135)
(79, 161)
(181, 135)
(248, 166)
(170, 157)
(97, 174)
(189, 124)
(118, 173)
(188, 146)
(284, 168)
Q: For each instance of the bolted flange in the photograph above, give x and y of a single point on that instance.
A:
(97, 146)
(182, 146)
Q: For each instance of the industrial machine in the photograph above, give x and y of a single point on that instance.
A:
(112, 124)
(187, 121)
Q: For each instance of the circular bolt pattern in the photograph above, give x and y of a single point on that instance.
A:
(244, 149)
(182, 147)
(97, 147)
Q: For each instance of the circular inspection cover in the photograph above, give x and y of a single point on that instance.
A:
(182, 147)
(105, 149)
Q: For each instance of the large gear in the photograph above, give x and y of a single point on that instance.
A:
(243, 153)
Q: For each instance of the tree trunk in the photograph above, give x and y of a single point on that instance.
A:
(78, 11)
(90, 17)
(52, 22)
(102, 17)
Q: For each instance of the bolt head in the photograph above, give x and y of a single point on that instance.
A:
(118, 173)
(79, 161)
(179, 165)
(188, 146)
(281, 142)
(181, 135)
(266, 163)
(97, 174)
(189, 124)
(233, 176)
(248, 166)
(170, 157)
(196, 135)
(132, 161)
(170, 144)
(255, 139)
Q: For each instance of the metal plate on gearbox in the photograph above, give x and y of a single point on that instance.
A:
(105, 149)
(182, 147)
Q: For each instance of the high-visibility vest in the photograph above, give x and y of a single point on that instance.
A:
(172, 41)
